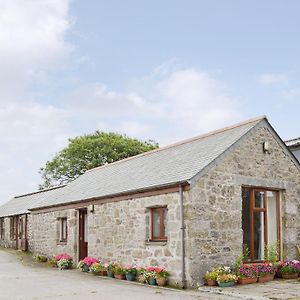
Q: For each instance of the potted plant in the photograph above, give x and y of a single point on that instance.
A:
(290, 269)
(63, 261)
(211, 276)
(98, 269)
(247, 273)
(119, 272)
(130, 272)
(226, 280)
(266, 272)
(162, 276)
(150, 275)
(141, 275)
(84, 265)
(52, 262)
(111, 270)
(41, 258)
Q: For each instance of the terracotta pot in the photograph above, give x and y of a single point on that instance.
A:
(103, 273)
(290, 275)
(120, 276)
(161, 281)
(211, 282)
(266, 278)
(247, 280)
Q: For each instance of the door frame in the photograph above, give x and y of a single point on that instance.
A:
(82, 244)
(264, 210)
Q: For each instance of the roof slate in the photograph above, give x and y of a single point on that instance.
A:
(163, 167)
(20, 204)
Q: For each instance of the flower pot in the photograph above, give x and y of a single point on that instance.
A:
(103, 273)
(266, 278)
(130, 276)
(141, 279)
(226, 284)
(278, 274)
(120, 276)
(161, 281)
(152, 281)
(85, 268)
(290, 275)
(110, 274)
(211, 282)
(247, 280)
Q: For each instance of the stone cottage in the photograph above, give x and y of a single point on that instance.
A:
(188, 206)
(16, 220)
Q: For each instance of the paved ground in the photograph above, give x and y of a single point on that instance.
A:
(20, 278)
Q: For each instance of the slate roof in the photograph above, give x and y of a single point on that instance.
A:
(20, 204)
(163, 167)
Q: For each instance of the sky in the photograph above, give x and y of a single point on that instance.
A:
(162, 70)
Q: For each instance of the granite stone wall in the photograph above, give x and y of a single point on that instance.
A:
(45, 233)
(119, 231)
(213, 207)
(6, 242)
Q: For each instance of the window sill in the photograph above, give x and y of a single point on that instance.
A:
(62, 242)
(156, 243)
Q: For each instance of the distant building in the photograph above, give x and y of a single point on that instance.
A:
(294, 146)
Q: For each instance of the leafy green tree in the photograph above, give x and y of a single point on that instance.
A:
(90, 151)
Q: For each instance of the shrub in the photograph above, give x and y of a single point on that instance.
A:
(41, 258)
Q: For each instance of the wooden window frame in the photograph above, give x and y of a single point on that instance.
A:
(63, 222)
(162, 212)
(2, 229)
(254, 209)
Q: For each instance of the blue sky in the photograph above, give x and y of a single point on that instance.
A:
(164, 70)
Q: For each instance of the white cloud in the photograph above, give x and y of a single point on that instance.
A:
(30, 135)
(272, 79)
(165, 106)
(31, 42)
(292, 94)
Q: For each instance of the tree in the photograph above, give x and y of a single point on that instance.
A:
(90, 151)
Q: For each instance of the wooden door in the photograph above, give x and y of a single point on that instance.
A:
(82, 233)
(22, 232)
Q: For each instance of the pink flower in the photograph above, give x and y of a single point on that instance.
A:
(89, 260)
(60, 256)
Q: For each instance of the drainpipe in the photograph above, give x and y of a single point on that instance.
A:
(182, 228)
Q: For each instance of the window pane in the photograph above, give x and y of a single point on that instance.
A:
(259, 241)
(246, 218)
(156, 223)
(259, 199)
(272, 218)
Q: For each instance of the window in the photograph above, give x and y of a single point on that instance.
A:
(63, 230)
(158, 216)
(260, 221)
(2, 228)
(13, 227)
